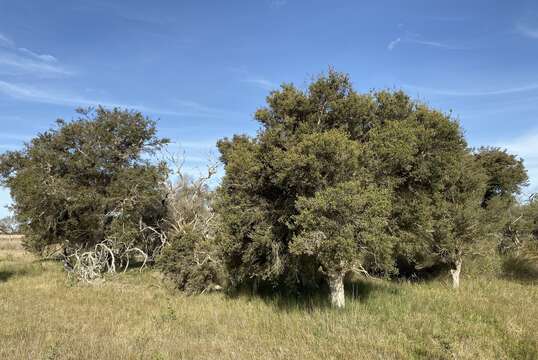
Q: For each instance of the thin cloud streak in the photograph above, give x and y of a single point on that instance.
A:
(435, 44)
(43, 57)
(5, 41)
(527, 30)
(249, 78)
(446, 18)
(393, 44)
(446, 92)
(410, 37)
(26, 60)
(27, 93)
(29, 65)
(277, 3)
(261, 83)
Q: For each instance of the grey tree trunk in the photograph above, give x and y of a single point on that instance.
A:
(336, 286)
(456, 274)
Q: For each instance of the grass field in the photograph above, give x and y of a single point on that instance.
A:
(134, 316)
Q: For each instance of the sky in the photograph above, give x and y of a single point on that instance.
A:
(202, 68)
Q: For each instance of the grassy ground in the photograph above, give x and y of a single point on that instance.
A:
(133, 316)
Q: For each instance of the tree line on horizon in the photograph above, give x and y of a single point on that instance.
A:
(334, 183)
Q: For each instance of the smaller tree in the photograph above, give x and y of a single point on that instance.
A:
(189, 255)
(88, 186)
(506, 174)
(521, 234)
(459, 216)
(343, 227)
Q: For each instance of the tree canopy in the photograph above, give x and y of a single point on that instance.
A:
(335, 182)
(335, 174)
(87, 180)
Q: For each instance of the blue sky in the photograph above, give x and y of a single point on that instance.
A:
(203, 67)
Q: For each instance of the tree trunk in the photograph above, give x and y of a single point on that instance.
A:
(336, 286)
(455, 272)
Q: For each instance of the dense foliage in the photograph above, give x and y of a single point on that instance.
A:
(334, 174)
(335, 182)
(87, 180)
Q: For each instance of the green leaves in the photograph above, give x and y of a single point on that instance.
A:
(339, 178)
(343, 225)
(87, 180)
(506, 173)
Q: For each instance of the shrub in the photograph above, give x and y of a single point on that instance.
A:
(87, 182)
(190, 256)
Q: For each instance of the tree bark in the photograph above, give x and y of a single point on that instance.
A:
(455, 272)
(336, 286)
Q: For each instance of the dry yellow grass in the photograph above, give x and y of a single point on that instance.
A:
(10, 242)
(132, 316)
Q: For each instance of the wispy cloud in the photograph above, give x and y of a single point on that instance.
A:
(446, 18)
(49, 96)
(43, 57)
(24, 60)
(413, 38)
(527, 30)
(393, 43)
(15, 62)
(435, 44)
(261, 83)
(277, 3)
(193, 108)
(446, 92)
(256, 80)
(5, 41)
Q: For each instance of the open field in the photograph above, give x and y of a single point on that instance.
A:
(134, 316)
(10, 242)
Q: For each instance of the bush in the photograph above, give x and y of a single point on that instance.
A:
(88, 181)
(188, 260)
(190, 256)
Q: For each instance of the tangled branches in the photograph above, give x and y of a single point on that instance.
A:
(107, 256)
(189, 256)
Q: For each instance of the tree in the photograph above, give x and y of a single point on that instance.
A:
(190, 256)
(506, 177)
(506, 173)
(305, 153)
(87, 181)
(459, 216)
(344, 227)
(415, 151)
(310, 144)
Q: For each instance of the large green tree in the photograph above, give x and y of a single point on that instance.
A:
(310, 144)
(295, 170)
(87, 180)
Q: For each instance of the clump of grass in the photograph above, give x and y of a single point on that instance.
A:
(521, 268)
(11, 242)
(133, 316)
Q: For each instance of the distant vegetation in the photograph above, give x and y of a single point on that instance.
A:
(335, 185)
